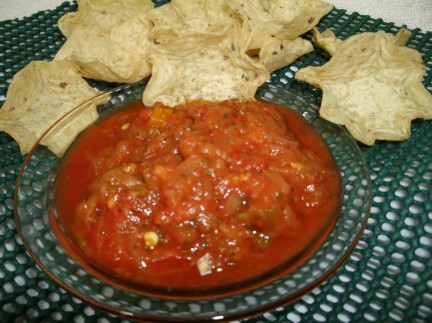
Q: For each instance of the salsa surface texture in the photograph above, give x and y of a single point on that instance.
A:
(202, 196)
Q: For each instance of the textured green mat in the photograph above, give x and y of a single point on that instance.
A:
(388, 277)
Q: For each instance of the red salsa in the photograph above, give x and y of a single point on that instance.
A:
(203, 195)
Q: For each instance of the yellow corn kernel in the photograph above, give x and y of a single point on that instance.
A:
(151, 239)
(298, 166)
(245, 176)
(111, 203)
(125, 126)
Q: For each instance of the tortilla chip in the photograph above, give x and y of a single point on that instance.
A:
(197, 66)
(219, 50)
(38, 96)
(104, 14)
(276, 53)
(193, 16)
(269, 29)
(283, 19)
(327, 41)
(373, 86)
(119, 54)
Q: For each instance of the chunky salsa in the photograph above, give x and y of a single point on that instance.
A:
(203, 195)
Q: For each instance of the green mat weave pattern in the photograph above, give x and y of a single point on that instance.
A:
(387, 278)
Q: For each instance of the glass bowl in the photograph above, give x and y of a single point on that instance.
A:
(33, 206)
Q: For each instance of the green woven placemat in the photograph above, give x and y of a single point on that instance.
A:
(388, 277)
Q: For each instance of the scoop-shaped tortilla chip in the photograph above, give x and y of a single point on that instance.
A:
(271, 29)
(327, 40)
(201, 66)
(283, 19)
(276, 53)
(118, 54)
(268, 31)
(104, 14)
(39, 95)
(373, 86)
(193, 16)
